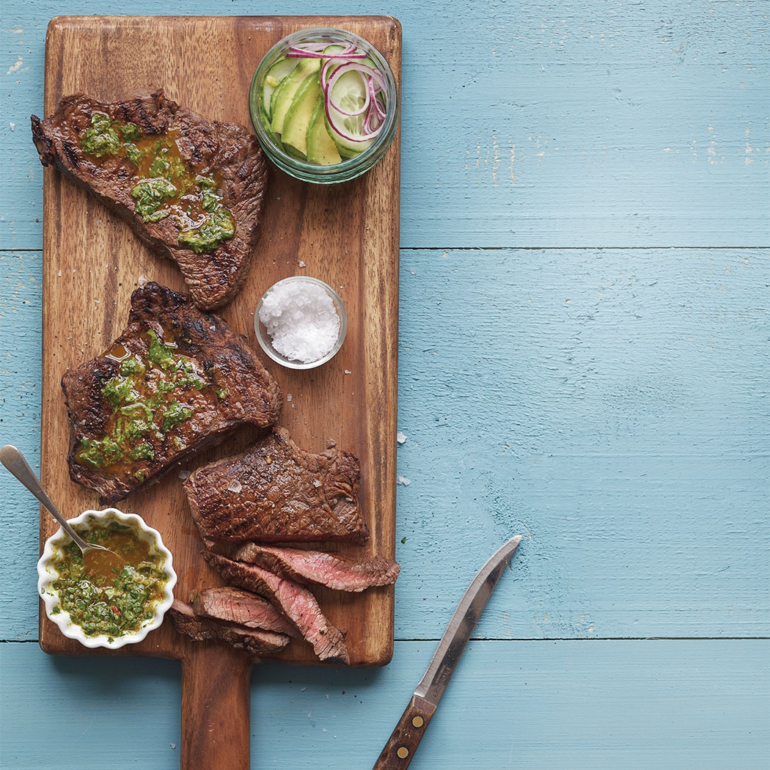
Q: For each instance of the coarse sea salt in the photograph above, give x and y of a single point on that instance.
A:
(301, 320)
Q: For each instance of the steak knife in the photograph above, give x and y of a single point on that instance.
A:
(400, 748)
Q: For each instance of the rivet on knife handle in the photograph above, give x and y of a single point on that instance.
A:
(399, 750)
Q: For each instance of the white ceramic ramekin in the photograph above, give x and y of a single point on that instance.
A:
(47, 574)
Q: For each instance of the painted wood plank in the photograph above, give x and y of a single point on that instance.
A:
(678, 705)
(595, 123)
(608, 404)
(20, 381)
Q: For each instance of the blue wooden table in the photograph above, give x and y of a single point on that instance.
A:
(583, 359)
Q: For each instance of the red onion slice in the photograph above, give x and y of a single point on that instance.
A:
(351, 52)
(331, 64)
(374, 100)
(336, 75)
(373, 73)
(363, 138)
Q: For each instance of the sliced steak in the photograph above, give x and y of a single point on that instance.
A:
(144, 159)
(296, 602)
(255, 641)
(277, 492)
(234, 605)
(324, 569)
(175, 382)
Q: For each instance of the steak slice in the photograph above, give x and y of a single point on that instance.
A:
(277, 492)
(234, 605)
(296, 602)
(175, 382)
(109, 148)
(321, 568)
(255, 641)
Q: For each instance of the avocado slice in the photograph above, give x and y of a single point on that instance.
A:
(320, 147)
(301, 111)
(283, 96)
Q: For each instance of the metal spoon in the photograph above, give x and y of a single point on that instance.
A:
(14, 461)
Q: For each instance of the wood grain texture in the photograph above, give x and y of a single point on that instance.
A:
(215, 709)
(589, 123)
(582, 705)
(345, 234)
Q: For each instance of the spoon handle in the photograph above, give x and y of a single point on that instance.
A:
(14, 461)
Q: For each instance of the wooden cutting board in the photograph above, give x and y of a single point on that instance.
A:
(346, 235)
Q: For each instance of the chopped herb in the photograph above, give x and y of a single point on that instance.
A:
(131, 365)
(209, 200)
(221, 393)
(403, 539)
(206, 182)
(159, 167)
(130, 131)
(175, 414)
(150, 194)
(217, 227)
(101, 139)
(143, 451)
(133, 153)
(99, 452)
(209, 197)
(119, 390)
(159, 354)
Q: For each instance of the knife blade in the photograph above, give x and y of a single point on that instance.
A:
(405, 739)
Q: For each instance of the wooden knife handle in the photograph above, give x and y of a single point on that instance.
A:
(216, 692)
(400, 748)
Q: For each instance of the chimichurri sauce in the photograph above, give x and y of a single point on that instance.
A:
(107, 594)
(153, 393)
(163, 183)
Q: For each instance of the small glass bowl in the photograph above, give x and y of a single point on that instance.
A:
(266, 343)
(311, 172)
(47, 575)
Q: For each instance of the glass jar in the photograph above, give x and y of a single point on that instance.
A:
(348, 168)
(263, 337)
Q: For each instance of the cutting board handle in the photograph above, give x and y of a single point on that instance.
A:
(216, 683)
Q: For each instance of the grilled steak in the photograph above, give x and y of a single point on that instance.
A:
(192, 189)
(256, 641)
(175, 382)
(320, 568)
(296, 602)
(242, 607)
(277, 492)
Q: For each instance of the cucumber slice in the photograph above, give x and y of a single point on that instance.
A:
(344, 151)
(320, 146)
(349, 92)
(283, 96)
(281, 69)
(331, 49)
(289, 150)
(265, 121)
(298, 117)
